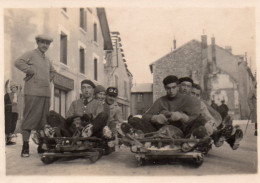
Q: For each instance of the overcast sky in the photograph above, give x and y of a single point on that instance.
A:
(147, 33)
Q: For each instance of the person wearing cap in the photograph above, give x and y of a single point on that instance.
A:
(219, 128)
(176, 109)
(11, 112)
(100, 93)
(223, 109)
(114, 111)
(196, 90)
(87, 105)
(39, 73)
(185, 85)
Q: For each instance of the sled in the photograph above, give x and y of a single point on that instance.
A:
(191, 150)
(54, 148)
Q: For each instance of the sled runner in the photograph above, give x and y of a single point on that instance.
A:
(54, 148)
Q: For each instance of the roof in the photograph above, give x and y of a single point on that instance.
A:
(105, 28)
(142, 87)
(151, 65)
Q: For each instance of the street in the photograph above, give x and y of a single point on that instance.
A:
(219, 161)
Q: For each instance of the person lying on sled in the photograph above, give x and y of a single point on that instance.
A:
(175, 109)
(219, 129)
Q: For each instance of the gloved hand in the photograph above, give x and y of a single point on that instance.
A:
(176, 116)
(160, 119)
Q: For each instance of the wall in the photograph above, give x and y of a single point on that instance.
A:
(141, 107)
(180, 62)
(54, 21)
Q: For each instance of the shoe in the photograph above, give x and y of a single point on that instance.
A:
(40, 150)
(10, 143)
(87, 131)
(227, 131)
(25, 150)
(235, 139)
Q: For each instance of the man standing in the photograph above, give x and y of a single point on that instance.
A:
(39, 73)
(90, 108)
(11, 113)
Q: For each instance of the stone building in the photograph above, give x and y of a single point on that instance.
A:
(221, 74)
(141, 98)
(118, 75)
(81, 40)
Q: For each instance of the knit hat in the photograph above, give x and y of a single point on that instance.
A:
(170, 79)
(89, 82)
(99, 88)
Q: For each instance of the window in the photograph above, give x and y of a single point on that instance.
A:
(83, 18)
(60, 101)
(95, 69)
(95, 32)
(125, 88)
(82, 60)
(116, 81)
(63, 48)
(140, 97)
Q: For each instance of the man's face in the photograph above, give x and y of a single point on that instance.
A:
(171, 89)
(87, 90)
(101, 96)
(110, 99)
(43, 45)
(195, 92)
(185, 87)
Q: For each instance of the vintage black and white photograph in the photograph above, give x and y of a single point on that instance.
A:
(136, 89)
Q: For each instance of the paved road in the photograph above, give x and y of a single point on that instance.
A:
(219, 161)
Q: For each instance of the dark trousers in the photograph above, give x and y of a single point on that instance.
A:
(147, 127)
(10, 122)
(99, 123)
(64, 126)
(144, 126)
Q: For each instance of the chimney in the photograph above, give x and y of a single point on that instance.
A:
(204, 43)
(228, 48)
(174, 44)
(213, 53)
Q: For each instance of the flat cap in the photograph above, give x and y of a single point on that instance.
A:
(186, 79)
(43, 37)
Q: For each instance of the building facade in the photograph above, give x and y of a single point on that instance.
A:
(141, 98)
(118, 75)
(222, 75)
(78, 51)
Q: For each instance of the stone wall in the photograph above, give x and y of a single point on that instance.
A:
(180, 62)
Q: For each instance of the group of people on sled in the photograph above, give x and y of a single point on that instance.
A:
(96, 112)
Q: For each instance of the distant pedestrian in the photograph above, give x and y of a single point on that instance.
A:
(39, 72)
(214, 105)
(251, 99)
(11, 112)
(223, 110)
